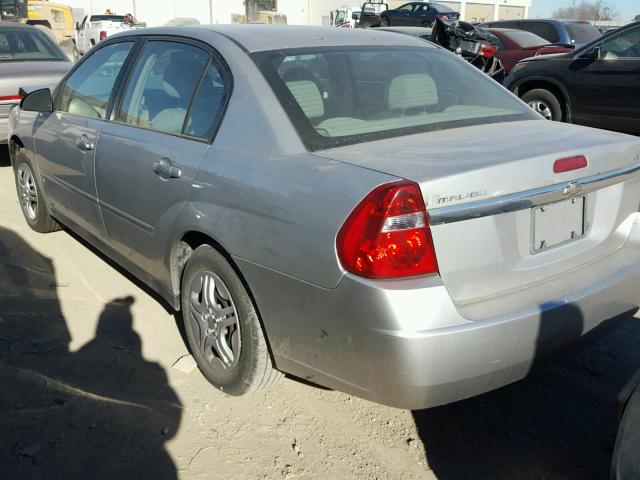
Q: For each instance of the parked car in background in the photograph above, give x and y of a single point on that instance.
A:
(28, 57)
(341, 244)
(418, 32)
(96, 28)
(515, 45)
(597, 85)
(417, 14)
(566, 32)
(370, 14)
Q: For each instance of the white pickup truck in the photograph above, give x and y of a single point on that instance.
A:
(94, 29)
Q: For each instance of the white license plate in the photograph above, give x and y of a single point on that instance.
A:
(557, 223)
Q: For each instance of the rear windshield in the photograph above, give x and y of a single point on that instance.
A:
(350, 95)
(582, 32)
(27, 44)
(107, 18)
(526, 39)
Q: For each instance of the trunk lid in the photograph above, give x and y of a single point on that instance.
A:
(482, 258)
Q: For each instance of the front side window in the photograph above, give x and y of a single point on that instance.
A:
(351, 95)
(625, 45)
(88, 90)
(27, 44)
(161, 86)
(406, 8)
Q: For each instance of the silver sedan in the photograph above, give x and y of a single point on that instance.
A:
(357, 208)
(28, 57)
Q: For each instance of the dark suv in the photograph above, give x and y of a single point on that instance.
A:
(568, 32)
(597, 85)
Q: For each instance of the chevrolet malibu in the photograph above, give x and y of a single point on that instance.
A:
(356, 208)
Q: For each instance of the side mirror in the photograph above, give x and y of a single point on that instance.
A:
(38, 101)
(78, 26)
(592, 54)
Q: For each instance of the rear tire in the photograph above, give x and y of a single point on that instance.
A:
(545, 103)
(222, 326)
(31, 196)
(384, 22)
(427, 24)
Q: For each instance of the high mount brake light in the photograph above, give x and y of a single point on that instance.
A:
(569, 163)
(387, 235)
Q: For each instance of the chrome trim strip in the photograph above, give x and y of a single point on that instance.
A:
(530, 198)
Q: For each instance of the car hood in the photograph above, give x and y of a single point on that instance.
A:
(29, 74)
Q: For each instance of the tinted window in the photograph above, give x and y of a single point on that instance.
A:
(542, 29)
(88, 89)
(27, 44)
(582, 32)
(406, 8)
(162, 85)
(392, 91)
(625, 45)
(207, 106)
(107, 18)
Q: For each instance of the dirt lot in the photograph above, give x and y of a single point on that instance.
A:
(90, 388)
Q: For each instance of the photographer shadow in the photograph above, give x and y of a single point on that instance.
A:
(557, 423)
(100, 412)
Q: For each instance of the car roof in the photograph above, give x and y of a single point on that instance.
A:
(4, 24)
(257, 38)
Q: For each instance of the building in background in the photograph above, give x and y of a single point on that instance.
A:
(297, 12)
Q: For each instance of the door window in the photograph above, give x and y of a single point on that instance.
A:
(160, 89)
(88, 89)
(207, 106)
(408, 8)
(542, 29)
(625, 45)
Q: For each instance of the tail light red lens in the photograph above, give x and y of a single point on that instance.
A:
(103, 35)
(487, 50)
(569, 163)
(11, 98)
(387, 235)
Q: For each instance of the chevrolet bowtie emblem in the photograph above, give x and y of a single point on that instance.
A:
(572, 189)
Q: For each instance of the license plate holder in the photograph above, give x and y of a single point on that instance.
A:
(558, 223)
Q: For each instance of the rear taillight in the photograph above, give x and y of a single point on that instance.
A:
(103, 35)
(442, 17)
(11, 98)
(387, 235)
(487, 50)
(569, 163)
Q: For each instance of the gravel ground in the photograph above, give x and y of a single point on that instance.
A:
(97, 383)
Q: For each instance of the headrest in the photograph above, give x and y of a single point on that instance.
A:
(308, 97)
(412, 91)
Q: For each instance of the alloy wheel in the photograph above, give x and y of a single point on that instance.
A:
(542, 108)
(28, 192)
(215, 321)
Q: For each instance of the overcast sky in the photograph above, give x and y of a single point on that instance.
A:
(544, 8)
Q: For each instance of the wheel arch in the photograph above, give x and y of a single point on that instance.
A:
(531, 83)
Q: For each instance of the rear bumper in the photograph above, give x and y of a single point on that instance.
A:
(405, 343)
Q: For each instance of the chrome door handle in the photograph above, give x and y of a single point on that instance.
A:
(166, 170)
(85, 144)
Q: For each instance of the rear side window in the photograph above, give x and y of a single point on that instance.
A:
(87, 91)
(160, 89)
(208, 103)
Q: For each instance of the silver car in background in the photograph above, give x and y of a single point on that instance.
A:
(356, 208)
(28, 57)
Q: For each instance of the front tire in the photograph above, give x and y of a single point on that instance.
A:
(384, 22)
(427, 24)
(545, 103)
(222, 326)
(31, 197)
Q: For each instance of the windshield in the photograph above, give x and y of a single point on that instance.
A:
(526, 39)
(27, 44)
(582, 32)
(350, 95)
